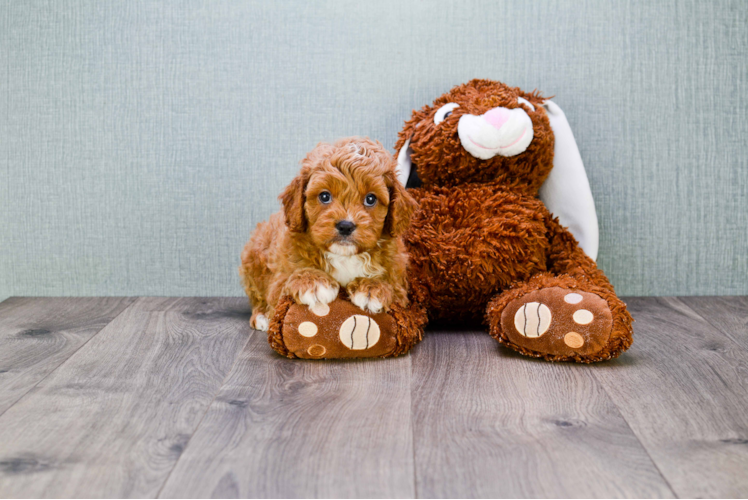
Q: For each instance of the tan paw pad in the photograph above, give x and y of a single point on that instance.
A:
(573, 340)
(533, 319)
(316, 351)
(359, 332)
(583, 317)
(307, 329)
(573, 298)
(320, 309)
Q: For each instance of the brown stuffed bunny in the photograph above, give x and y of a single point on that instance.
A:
(482, 245)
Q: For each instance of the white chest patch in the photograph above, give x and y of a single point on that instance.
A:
(346, 268)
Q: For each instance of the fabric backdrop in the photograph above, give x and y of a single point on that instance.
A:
(140, 142)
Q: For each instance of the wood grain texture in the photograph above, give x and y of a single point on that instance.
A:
(489, 423)
(39, 334)
(729, 315)
(176, 397)
(282, 428)
(683, 389)
(113, 420)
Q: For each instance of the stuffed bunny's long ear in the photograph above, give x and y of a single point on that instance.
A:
(566, 192)
(403, 163)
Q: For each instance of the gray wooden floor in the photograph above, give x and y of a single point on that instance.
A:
(162, 397)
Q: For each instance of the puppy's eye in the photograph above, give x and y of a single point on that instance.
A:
(444, 112)
(325, 197)
(370, 200)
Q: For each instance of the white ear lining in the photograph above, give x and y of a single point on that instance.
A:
(522, 100)
(403, 163)
(566, 192)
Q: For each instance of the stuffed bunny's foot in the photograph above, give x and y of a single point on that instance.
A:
(340, 330)
(556, 323)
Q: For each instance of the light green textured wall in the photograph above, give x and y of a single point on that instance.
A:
(140, 142)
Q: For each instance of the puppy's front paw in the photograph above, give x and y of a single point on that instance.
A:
(371, 295)
(312, 287)
(322, 293)
(259, 321)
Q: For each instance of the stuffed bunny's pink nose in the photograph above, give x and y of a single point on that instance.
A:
(497, 117)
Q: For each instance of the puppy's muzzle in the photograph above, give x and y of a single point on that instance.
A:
(345, 227)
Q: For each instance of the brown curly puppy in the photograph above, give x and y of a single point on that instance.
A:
(484, 247)
(340, 225)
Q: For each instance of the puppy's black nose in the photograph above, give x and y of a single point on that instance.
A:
(345, 227)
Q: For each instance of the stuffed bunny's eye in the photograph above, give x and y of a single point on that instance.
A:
(370, 200)
(444, 112)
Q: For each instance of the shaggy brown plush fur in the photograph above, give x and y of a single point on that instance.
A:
(481, 238)
(301, 251)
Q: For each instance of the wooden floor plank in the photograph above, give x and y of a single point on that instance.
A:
(111, 414)
(114, 418)
(729, 315)
(491, 423)
(296, 428)
(683, 389)
(38, 334)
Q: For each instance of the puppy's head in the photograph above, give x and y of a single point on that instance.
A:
(347, 198)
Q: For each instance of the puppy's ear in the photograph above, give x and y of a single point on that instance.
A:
(293, 199)
(402, 206)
